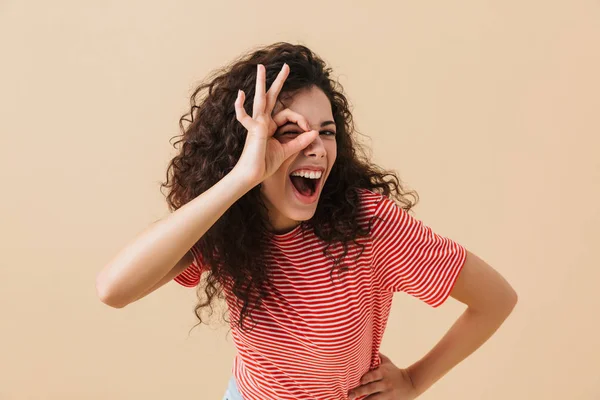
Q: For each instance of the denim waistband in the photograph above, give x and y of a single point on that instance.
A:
(232, 392)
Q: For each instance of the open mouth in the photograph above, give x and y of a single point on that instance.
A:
(306, 183)
(305, 186)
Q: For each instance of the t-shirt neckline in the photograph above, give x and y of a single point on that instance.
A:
(288, 235)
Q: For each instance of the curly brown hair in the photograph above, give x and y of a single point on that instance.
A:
(212, 141)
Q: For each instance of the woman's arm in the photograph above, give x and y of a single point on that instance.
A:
(154, 253)
(490, 299)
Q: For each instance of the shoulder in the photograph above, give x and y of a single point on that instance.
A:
(383, 215)
(374, 203)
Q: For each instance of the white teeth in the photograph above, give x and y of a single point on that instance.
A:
(308, 174)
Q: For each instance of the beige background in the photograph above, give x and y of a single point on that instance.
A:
(490, 110)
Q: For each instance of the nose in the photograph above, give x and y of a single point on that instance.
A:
(315, 148)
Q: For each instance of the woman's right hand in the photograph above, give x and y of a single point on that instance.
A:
(263, 154)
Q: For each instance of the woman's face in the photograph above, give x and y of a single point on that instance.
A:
(294, 199)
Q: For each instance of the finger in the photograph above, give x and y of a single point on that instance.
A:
(240, 112)
(300, 142)
(371, 388)
(384, 358)
(286, 115)
(377, 396)
(371, 376)
(258, 106)
(275, 88)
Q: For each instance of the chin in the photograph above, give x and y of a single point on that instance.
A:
(304, 215)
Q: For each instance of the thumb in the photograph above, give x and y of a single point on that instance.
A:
(300, 142)
(384, 358)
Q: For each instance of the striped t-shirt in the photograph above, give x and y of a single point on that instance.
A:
(315, 338)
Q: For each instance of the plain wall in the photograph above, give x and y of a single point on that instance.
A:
(489, 110)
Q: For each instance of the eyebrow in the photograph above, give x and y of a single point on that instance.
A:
(323, 124)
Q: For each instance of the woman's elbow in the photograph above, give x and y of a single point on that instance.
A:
(504, 302)
(512, 298)
(106, 294)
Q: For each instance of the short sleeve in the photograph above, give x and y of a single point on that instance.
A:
(408, 256)
(190, 276)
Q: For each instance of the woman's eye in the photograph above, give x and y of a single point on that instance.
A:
(326, 133)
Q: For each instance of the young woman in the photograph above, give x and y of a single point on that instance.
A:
(275, 205)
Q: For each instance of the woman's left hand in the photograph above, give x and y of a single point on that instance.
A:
(387, 382)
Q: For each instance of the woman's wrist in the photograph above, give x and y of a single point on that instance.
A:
(241, 180)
